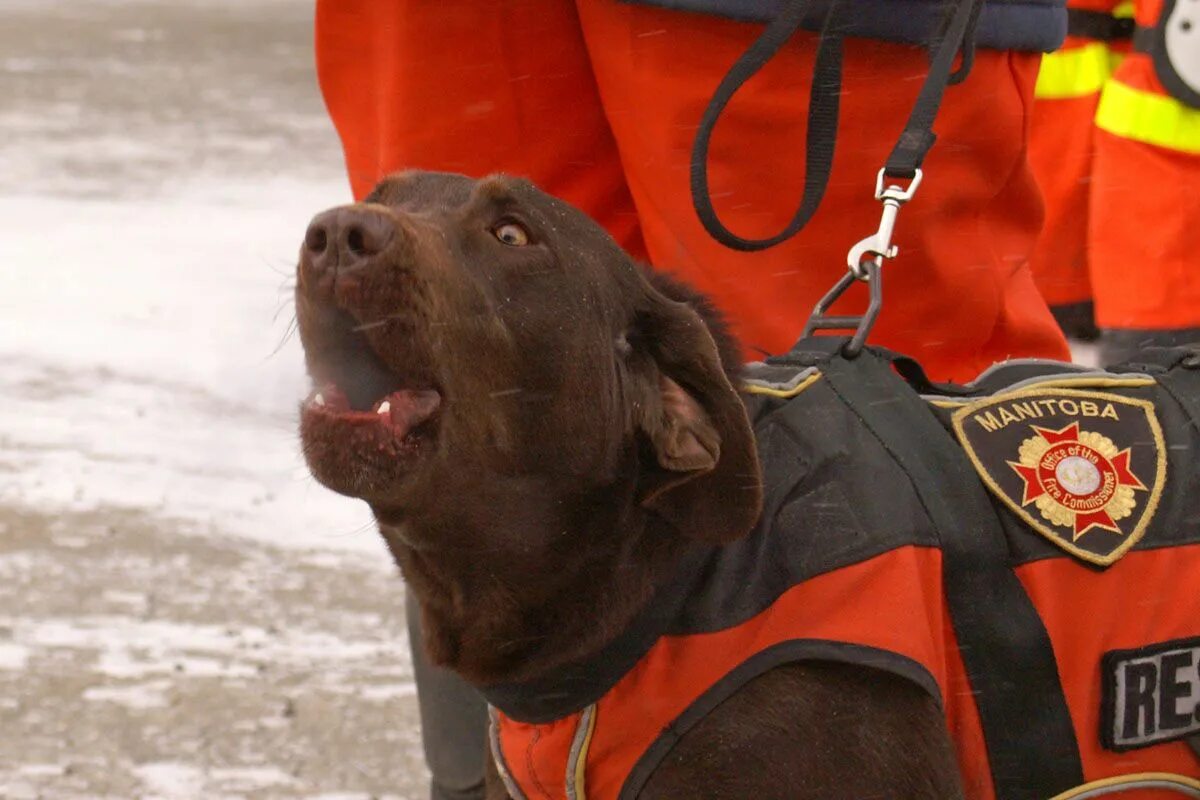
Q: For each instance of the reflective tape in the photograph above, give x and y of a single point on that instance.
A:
(1075, 72)
(1185, 786)
(1146, 117)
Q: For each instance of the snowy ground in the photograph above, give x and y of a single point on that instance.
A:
(183, 612)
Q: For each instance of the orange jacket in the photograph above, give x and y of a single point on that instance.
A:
(996, 621)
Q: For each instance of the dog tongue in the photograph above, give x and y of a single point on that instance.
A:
(408, 408)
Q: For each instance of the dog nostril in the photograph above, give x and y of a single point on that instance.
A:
(367, 234)
(316, 239)
(355, 242)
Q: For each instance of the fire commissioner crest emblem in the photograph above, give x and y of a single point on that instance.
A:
(1088, 468)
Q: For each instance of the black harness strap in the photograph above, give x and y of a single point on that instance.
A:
(1177, 370)
(1180, 378)
(1005, 648)
(1184, 385)
(1143, 40)
(1098, 25)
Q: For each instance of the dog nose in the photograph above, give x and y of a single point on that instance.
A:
(345, 237)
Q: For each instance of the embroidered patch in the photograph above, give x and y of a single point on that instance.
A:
(1083, 468)
(1150, 694)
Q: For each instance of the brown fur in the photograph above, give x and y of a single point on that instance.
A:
(588, 429)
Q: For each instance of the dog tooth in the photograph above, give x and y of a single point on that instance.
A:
(384, 408)
(319, 399)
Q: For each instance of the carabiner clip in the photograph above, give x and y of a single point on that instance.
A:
(865, 260)
(879, 244)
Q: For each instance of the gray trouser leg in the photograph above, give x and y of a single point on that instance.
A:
(453, 722)
(1118, 345)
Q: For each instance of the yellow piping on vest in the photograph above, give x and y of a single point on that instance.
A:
(1187, 787)
(756, 388)
(577, 759)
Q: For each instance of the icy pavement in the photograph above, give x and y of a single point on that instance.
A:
(184, 613)
(135, 663)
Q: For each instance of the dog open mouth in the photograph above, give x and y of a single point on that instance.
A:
(400, 419)
(366, 421)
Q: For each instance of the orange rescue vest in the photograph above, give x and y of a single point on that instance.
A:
(1055, 614)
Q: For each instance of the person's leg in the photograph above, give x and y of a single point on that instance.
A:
(474, 88)
(1144, 215)
(1061, 152)
(959, 296)
(453, 722)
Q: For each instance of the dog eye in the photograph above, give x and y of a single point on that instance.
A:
(511, 234)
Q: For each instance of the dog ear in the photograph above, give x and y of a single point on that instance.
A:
(701, 470)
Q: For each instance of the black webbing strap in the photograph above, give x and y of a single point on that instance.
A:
(823, 109)
(918, 135)
(1177, 370)
(1184, 386)
(1182, 382)
(1098, 25)
(1143, 40)
(1004, 645)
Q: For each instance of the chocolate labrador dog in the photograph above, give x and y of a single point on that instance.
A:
(543, 428)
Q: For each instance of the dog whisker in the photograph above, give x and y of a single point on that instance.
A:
(287, 334)
(278, 265)
(284, 304)
(378, 323)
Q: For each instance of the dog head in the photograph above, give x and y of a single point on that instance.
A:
(489, 367)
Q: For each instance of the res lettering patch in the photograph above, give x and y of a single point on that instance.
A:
(1085, 469)
(1151, 694)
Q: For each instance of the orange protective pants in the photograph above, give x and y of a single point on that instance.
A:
(1062, 152)
(598, 102)
(1145, 212)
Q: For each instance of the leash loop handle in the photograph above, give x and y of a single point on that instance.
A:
(821, 134)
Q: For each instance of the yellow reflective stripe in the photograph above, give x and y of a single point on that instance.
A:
(783, 394)
(1187, 787)
(1076, 72)
(577, 758)
(1124, 10)
(1115, 57)
(1151, 118)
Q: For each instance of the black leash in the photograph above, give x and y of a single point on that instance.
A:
(918, 136)
(822, 121)
(904, 162)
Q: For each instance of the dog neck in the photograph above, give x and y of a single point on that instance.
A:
(500, 618)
